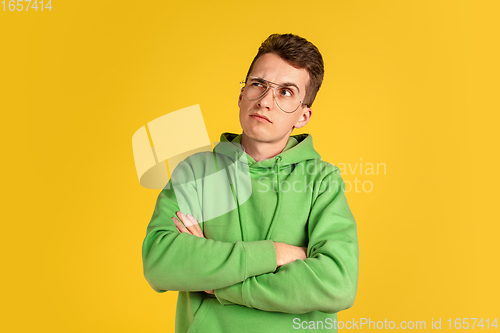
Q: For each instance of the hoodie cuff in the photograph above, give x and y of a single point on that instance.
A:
(260, 257)
(230, 295)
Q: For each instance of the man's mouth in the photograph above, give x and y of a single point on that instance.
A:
(260, 117)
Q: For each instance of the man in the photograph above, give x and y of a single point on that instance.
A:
(258, 236)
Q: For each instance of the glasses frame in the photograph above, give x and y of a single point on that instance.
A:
(274, 93)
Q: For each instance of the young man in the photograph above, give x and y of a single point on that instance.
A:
(258, 236)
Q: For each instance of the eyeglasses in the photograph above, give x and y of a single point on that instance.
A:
(288, 98)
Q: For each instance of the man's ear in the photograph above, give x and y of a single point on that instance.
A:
(304, 118)
(239, 98)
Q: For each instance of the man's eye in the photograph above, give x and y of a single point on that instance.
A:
(257, 84)
(285, 92)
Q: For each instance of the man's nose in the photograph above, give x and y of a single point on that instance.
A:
(267, 100)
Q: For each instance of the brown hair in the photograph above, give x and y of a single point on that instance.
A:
(300, 53)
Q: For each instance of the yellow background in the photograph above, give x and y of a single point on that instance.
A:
(412, 84)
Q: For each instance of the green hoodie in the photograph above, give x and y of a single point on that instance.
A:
(242, 210)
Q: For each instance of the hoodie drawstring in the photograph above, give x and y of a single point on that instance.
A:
(236, 162)
(277, 173)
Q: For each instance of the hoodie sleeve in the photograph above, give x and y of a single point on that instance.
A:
(327, 280)
(183, 262)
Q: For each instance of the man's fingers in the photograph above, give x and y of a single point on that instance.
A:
(195, 228)
(179, 225)
(189, 224)
(184, 219)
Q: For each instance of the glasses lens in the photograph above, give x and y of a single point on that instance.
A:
(254, 88)
(287, 98)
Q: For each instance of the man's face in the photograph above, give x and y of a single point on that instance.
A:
(272, 68)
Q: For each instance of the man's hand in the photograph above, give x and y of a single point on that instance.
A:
(189, 224)
(286, 253)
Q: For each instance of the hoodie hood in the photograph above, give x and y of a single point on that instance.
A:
(299, 148)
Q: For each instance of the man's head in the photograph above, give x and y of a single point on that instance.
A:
(299, 53)
(284, 64)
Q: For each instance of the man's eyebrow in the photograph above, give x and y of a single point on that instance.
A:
(288, 84)
(285, 84)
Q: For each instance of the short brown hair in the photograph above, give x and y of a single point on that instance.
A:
(300, 53)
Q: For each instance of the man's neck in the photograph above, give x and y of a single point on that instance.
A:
(262, 150)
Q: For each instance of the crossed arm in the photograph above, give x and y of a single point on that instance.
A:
(285, 253)
(182, 262)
